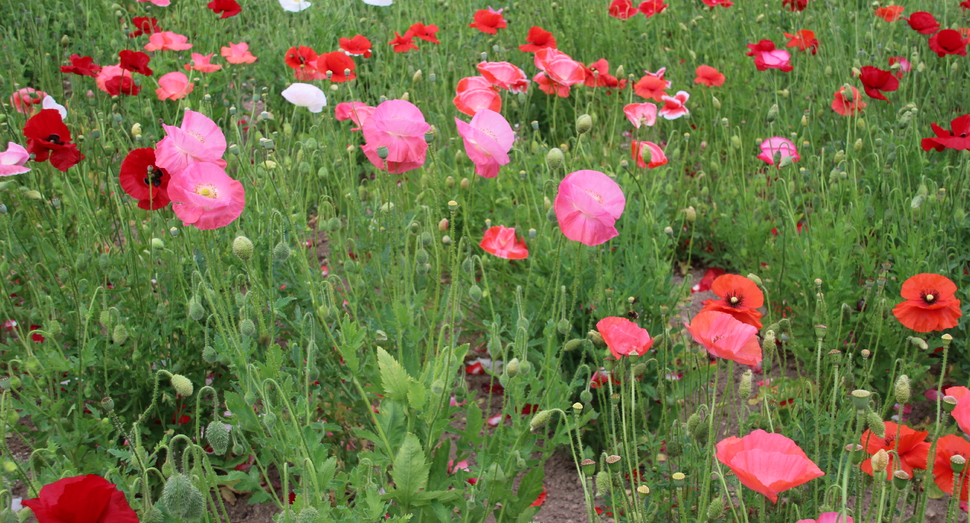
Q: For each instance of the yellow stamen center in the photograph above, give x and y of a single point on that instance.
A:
(207, 190)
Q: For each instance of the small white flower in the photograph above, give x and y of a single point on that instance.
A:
(294, 6)
(50, 103)
(379, 3)
(306, 95)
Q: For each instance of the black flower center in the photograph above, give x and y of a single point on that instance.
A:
(930, 297)
(154, 177)
(55, 138)
(734, 300)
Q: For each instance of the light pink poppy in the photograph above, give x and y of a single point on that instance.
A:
(782, 147)
(197, 140)
(559, 72)
(202, 63)
(725, 337)
(13, 159)
(25, 98)
(238, 53)
(623, 337)
(358, 112)
(488, 139)
(398, 126)
(587, 206)
(204, 196)
(827, 517)
(903, 67)
(648, 154)
(173, 86)
(674, 105)
(167, 41)
(159, 3)
(775, 59)
(641, 114)
(505, 76)
(767, 463)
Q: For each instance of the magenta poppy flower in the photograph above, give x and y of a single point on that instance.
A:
(167, 41)
(674, 105)
(641, 114)
(357, 112)
(504, 76)
(25, 98)
(398, 127)
(587, 206)
(13, 159)
(488, 139)
(828, 517)
(205, 197)
(774, 59)
(197, 140)
(504, 243)
(173, 86)
(778, 146)
(623, 337)
(559, 72)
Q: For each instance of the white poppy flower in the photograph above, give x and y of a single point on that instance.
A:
(50, 103)
(379, 3)
(294, 6)
(305, 95)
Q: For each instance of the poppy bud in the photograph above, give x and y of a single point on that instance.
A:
(563, 326)
(242, 247)
(464, 184)
(716, 509)
(182, 385)
(875, 424)
(426, 239)
(269, 419)
(443, 225)
(744, 389)
(181, 498)
(857, 147)
(540, 420)
(475, 293)
(596, 338)
(772, 113)
(512, 367)
(839, 156)
(603, 483)
(196, 311)
(119, 335)
(210, 355)
(572, 344)
(308, 515)
(583, 124)
(700, 434)
(690, 214)
(406, 96)
(902, 389)
(880, 460)
(554, 158)
(736, 141)
(218, 437)
(692, 422)
(783, 93)
(247, 327)
(524, 367)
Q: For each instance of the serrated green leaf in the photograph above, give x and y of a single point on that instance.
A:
(393, 376)
(529, 489)
(473, 425)
(241, 412)
(352, 338)
(417, 395)
(410, 472)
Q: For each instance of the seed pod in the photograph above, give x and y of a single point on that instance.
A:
(218, 437)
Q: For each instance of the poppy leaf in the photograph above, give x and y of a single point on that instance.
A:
(393, 376)
(410, 472)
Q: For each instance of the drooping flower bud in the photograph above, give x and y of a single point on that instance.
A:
(181, 498)
(218, 437)
(119, 335)
(716, 509)
(281, 252)
(603, 482)
(247, 327)
(242, 247)
(182, 385)
(540, 419)
(196, 311)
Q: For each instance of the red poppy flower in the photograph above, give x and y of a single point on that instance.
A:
(622, 9)
(598, 75)
(930, 303)
(82, 65)
(144, 25)
(795, 5)
(958, 139)
(504, 243)
(652, 86)
(623, 337)
(739, 297)
(35, 336)
(359, 45)
(652, 7)
(714, 3)
(943, 474)
(402, 44)
(923, 23)
(890, 13)
(338, 64)
(424, 32)
(135, 61)
(708, 280)
(488, 21)
(912, 449)
(767, 463)
(804, 40)
(122, 84)
(541, 499)
(538, 38)
(709, 76)
(81, 499)
(228, 8)
(965, 4)
(848, 102)
(48, 137)
(303, 60)
(962, 411)
(948, 41)
(143, 180)
(875, 80)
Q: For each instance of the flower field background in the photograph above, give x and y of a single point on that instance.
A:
(362, 262)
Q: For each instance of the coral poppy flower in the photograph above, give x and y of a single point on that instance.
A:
(652, 86)
(81, 499)
(804, 40)
(12, 160)
(900, 65)
(398, 126)
(795, 5)
(738, 296)
(144, 25)
(948, 41)
(402, 44)
(641, 114)
(622, 9)
(709, 76)
(623, 337)
(504, 243)
(504, 76)
(714, 3)
(848, 102)
(25, 98)
(238, 53)
(202, 63)
(930, 303)
(587, 206)
(648, 155)
(725, 337)
(875, 80)
(167, 41)
(135, 61)
(962, 411)
(474, 93)
(780, 147)
(890, 13)
(48, 137)
(424, 32)
(173, 86)
(923, 23)
(598, 75)
(338, 64)
(488, 21)
(205, 197)
(488, 139)
(559, 72)
(359, 45)
(958, 139)
(357, 112)
(538, 38)
(116, 81)
(943, 474)
(228, 8)
(151, 189)
(912, 449)
(82, 65)
(674, 107)
(197, 140)
(828, 517)
(651, 7)
(767, 463)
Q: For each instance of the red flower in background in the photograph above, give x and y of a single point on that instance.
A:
(890, 13)
(804, 40)
(943, 474)
(538, 38)
(35, 336)
(303, 61)
(598, 75)
(81, 499)
(48, 137)
(705, 284)
(958, 139)
(714, 3)
(652, 7)
(849, 102)
(504, 243)
(228, 8)
(541, 499)
(338, 64)
(948, 41)
(709, 76)
(965, 4)
(875, 80)
(795, 5)
(623, 337)
(82, 65)
(923, 23)
(762, 46)
(143, 180)
(144, 25)
(904, 65)
(488, 21)
(359, 45)
(424, 32)
(402, 44)
(930, 303)
(135, 61)
(121, 83)
(652, 86)
(622, 9)
(739, 297)
(25, 98)
(912, 449)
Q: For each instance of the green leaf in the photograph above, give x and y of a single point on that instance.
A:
(473, 425)
(240, 411)
(529, 489)
(417, 395)
(410, 472)
(352, 338)
(439, 465)
(393, 376)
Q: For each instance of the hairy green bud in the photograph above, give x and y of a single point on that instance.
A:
(242, 247)
(716, 509)
(540, 419)
(196, 311)
(692, 422)
(573, 344)
(875, 424)
(475, 293)
(603, 483)
(309, 514)
(182, 385)
(583, 124)
(181, 498)
(902, 389)
(209, 354)
(555, 158)
(269, 419)
(247, 327)
(119, 335)
(281, 252)
(218, 437)
(744, 389)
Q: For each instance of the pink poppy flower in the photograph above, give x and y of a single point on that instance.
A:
(358, 112)
(205, 197)
(504, 243)
(13, 159)
(641, 150)
(399, 127)
(559, 71)
(159, 3)
(202, 63)
(504, 76)
(774, 59)
(962, 411)
(167, 41)
(903, 65)
(782, 147)
(587, 206)
(197, 140)
(674, 105)
(238, 53)
(767, 463)
(726, 337)
(488, 139)
(25, 98)
(828, 517)
(623, 337)
(173, 86)
(641, 114)
(474, 93)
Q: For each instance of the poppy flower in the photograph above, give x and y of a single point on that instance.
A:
(923, 23)
(424, 32)
(402, 44)
(294, 6)
(848, 102)
(504, 243)
(707, 281)
(358, 112)
(652, 86)
(12, 160)
(930, 303)
(767, 463)
(961, 413)
(25, 98)
(540, 499)
(81, 499)
(948, 41)
(828, 517)
(958, 139)
(167, 41)
(709, 76)
(48, 137)
(559, 72)
(339, 66)
(623, 337)
(151, 189)
(726, 337)
(488, 21)
(301, 59)
(144, 25)
(641, 114)
(900, 65)
(890, 13)
(205, 197)
(943, 474)
(173, 86)
(135, 61)
(159, 3)
(399, 127)
(202, 63)
(648, 155)
(587, 205)
(651, 7)
(359, 45)
(775, 59)
(475, 93)
(622, 9)
(908, 443)
(965, 4)
(875, 80)
(714, 3)
(674, 107)
(804, 40)
(598, 75)
(602, 377)
(197, 140)
(504, 76)
(228, 8)
(781, 147)
(488, 139)
(116, 81)
(795, 5)
(82, 65)
(738, 296)
(538, 38)
(238, 53)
